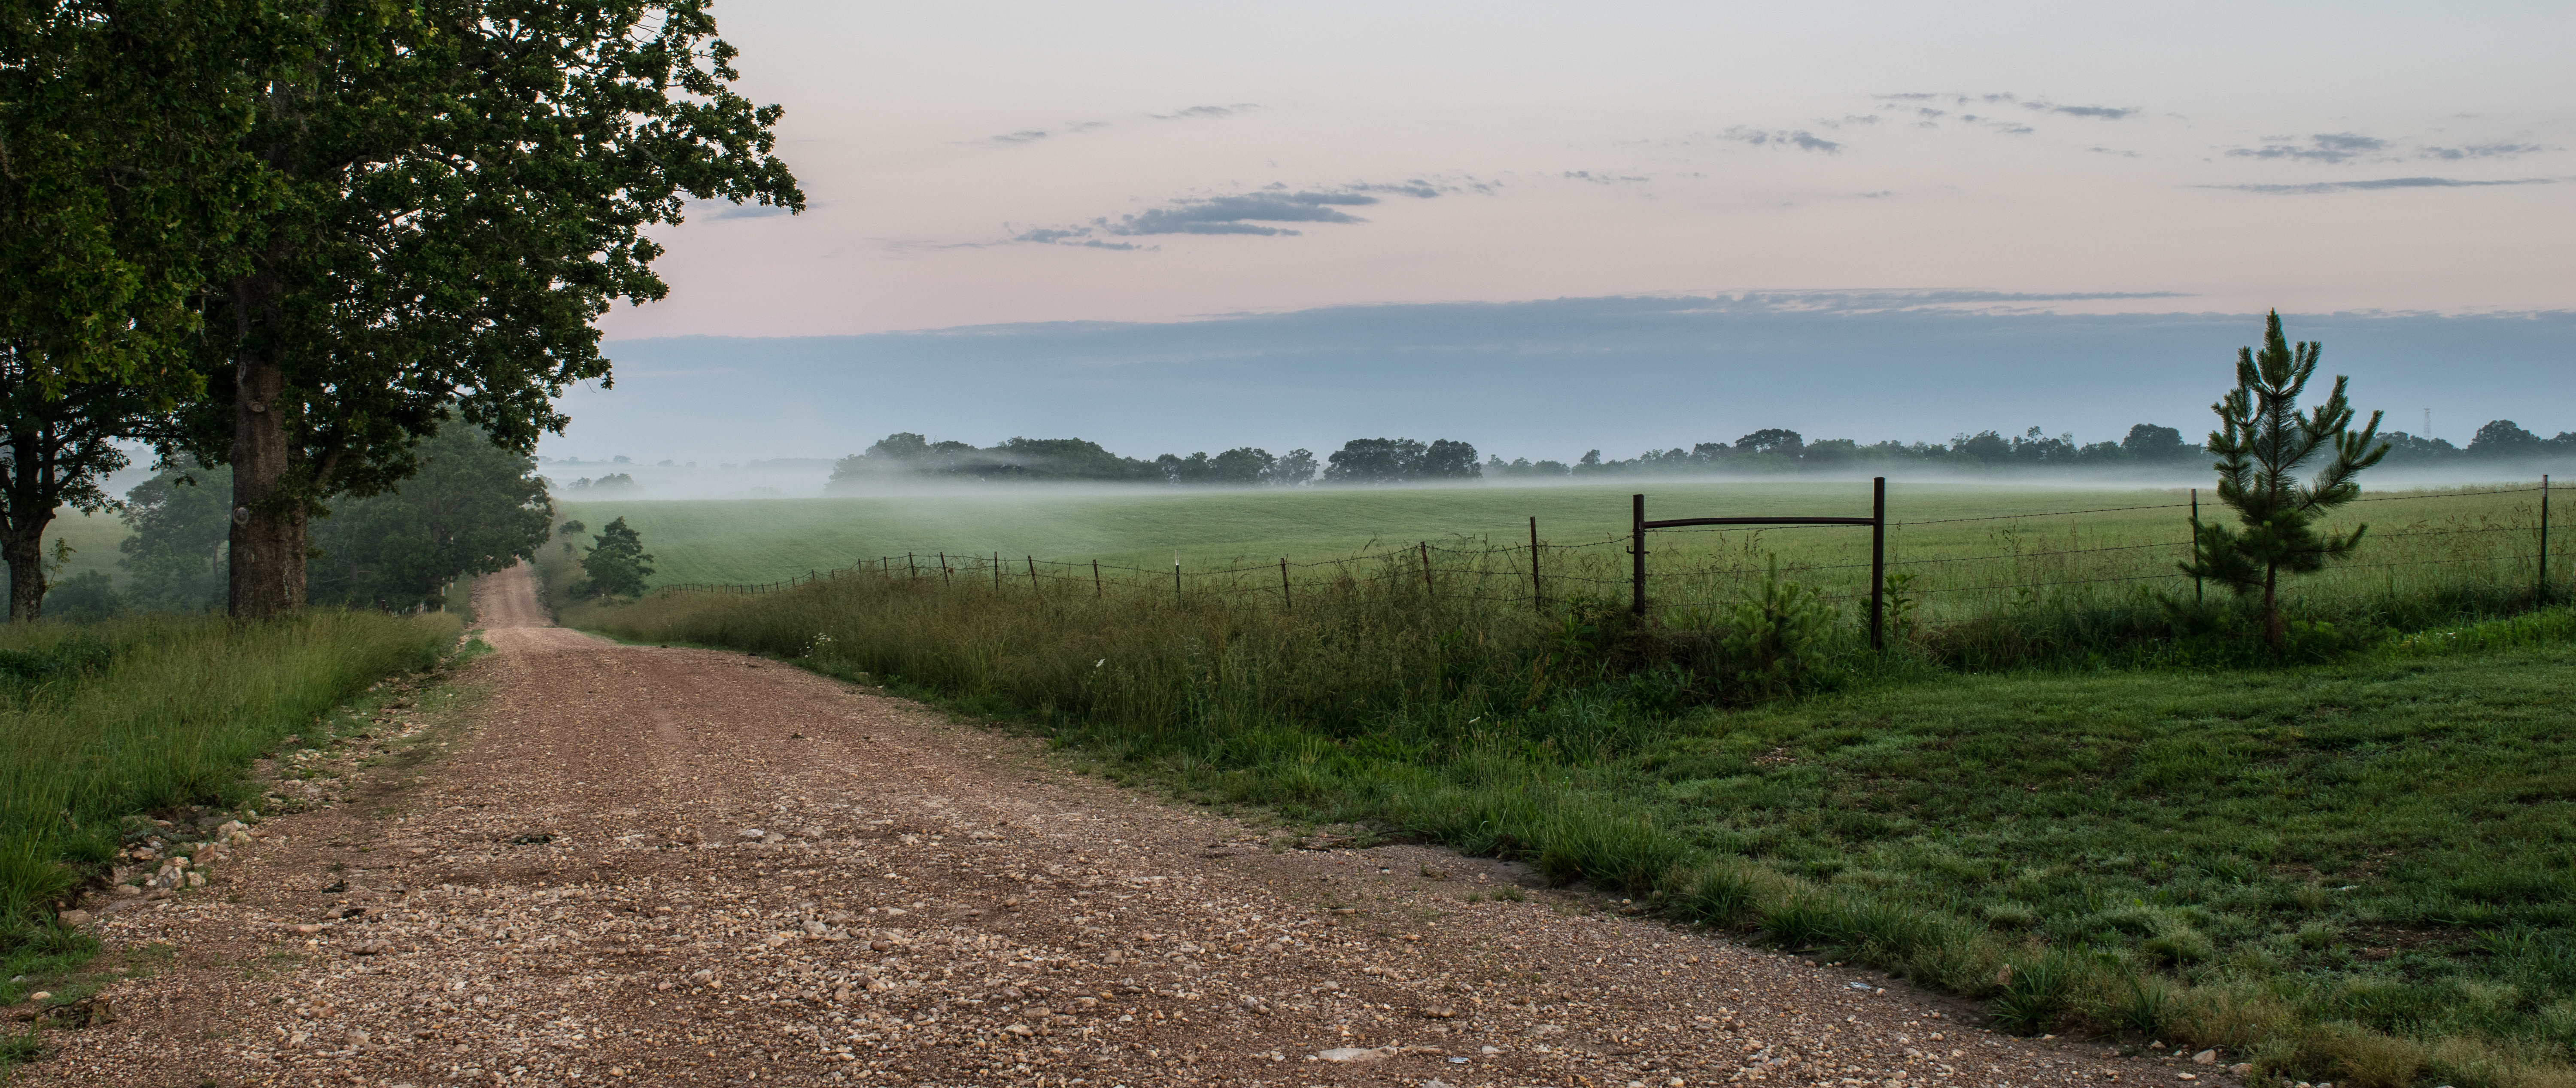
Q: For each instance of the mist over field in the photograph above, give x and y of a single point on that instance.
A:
(1541, 380)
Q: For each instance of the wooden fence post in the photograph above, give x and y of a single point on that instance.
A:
(1427, 587)
(1096, 591)
(1878, 563)
(1287, 599)
(1538, 592)
(1637, 551)
(2544, 538)
(1033, 573)
(2196, 597)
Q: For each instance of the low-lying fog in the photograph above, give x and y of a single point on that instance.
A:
(806, 478)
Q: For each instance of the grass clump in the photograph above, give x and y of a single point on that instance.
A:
(103, 721)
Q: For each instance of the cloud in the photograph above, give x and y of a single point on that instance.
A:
(726, 209)
(2040, 105)
(1600, 179)
(1413, 188)
(1799, 138)
(1236, 214)
(2010, 129)
(2322, 147)
(2478, 151)
(1204, 111)
(2378, 183)
(2107, 113)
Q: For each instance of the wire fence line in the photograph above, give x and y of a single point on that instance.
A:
(2485, 545)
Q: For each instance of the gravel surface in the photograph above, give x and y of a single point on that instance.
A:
(664, 866)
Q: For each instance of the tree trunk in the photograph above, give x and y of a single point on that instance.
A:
(268, 524)
(2274, 631)
(30, 502)
(23, 545)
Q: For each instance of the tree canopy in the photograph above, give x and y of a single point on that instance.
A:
(473, 508)
(616, 564)
(461, 186)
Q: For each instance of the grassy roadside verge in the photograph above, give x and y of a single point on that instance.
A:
(2352, 871)
(103, 722)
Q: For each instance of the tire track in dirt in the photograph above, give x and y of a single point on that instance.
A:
(660, 866)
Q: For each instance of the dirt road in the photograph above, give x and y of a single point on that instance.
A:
(663, 866)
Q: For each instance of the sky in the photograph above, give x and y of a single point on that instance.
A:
(1434, 194)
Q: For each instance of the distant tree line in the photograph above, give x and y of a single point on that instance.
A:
(1774, 449)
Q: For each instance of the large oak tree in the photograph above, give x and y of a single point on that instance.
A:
(122, 187)
(464, 186)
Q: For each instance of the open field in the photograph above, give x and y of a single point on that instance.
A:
(1969, 549)
(93, 539)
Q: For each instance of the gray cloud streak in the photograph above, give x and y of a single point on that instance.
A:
(1194, 112)
(1801, 139)
(2377, 183)
(1239, 214)
(2322, 147)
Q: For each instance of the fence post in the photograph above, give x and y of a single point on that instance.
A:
(1878, 563)
(2544, 538)
(944, 573)
(912, 566)
(1033, 573)
(1176, 577)
(1538, 592)
(1096, 591)
(1287, 599)
(1427, 587)
(2196, 597)
(1637, 550)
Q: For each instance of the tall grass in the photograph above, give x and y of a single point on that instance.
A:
(1567, 737)
(103, 721)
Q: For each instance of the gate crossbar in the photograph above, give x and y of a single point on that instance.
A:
(1877, 522)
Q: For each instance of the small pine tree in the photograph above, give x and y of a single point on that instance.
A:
(2262, 444)
(616, 562)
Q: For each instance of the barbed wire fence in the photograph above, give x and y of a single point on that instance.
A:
(1712, 567)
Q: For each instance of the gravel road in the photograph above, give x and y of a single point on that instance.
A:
(670, 866)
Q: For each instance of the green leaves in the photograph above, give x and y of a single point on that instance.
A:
(464, 185)
(615, 565)
(2262, 444)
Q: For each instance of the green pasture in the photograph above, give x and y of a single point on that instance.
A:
(1968, 548)
(93, 539)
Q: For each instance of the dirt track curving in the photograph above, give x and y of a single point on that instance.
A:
(663, 866)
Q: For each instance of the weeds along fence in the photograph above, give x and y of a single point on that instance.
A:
(2443, 549)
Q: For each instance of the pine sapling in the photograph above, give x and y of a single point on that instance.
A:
(2261, 445)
